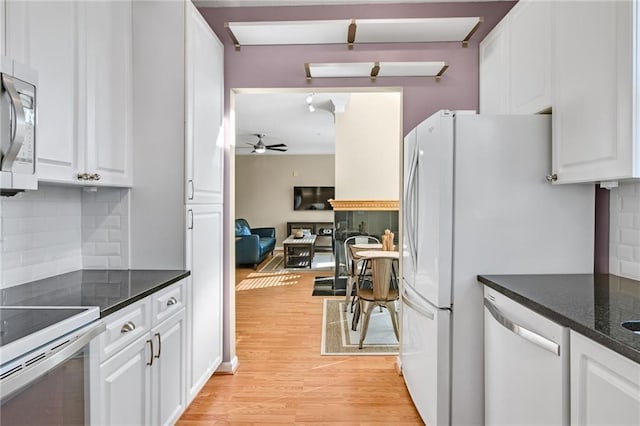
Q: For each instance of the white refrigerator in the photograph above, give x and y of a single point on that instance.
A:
(476, 202)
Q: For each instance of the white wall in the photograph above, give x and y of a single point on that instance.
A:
(368, 140)
(624, 231)
(55, 230)
(264, 188)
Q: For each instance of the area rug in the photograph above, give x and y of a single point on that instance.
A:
(321, 262)
(339, 339)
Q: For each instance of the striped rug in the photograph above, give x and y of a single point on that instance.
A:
(339, 339)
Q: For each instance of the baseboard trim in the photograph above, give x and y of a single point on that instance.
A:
(228, 367)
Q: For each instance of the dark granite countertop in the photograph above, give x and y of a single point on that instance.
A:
(110, 289)
(592, 305)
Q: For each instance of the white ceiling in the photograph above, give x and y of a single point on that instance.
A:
(285, 118)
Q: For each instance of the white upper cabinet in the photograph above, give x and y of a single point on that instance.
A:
(593, 91)
(82, 52)
(46, 36)
(109, 91)
(530, 57)
(204, 111)
(494, 70)
(515, 62)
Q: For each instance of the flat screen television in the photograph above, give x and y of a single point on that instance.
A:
(312, 197)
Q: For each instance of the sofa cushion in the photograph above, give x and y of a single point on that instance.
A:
(243, 231)
(267, 244)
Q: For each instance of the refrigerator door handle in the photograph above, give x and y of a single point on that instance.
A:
(521, 331)
(410, 213)
(422, 311)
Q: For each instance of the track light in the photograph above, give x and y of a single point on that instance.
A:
(309, 98)
(311, 108)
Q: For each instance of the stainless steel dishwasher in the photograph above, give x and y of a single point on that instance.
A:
(526, 365)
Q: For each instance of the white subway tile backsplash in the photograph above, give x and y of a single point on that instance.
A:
(105, 228)
(59, 229)
(624, 231)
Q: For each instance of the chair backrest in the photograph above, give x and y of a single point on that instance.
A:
(349, 256)
(382, 268)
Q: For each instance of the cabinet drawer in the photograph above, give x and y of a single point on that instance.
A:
(124, 327)
(168, 301)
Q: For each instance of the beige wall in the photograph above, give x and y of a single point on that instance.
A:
(368, 137)
(264, 188)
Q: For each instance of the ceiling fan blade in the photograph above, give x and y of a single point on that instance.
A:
(250, 144)
(278, 145)
(278, 149)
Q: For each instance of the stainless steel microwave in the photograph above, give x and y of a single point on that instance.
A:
(18, 117)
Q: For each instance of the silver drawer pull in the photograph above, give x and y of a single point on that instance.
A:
(127, 327)
(172, 301)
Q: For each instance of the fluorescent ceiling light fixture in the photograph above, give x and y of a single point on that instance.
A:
(374, 70)
(354, 31)
(288, 32)
(343, 69)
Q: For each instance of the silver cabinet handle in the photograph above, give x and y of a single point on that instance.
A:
(417, 308)
(95, 176)
(127, 327)
(83, 176)
(172, 301)
(150, 342)
(159, 345)
(191, 189)
(525, 333)
(18, 125)
(190, 219)
(551, 178)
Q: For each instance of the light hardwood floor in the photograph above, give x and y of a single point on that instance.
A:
(283, 379)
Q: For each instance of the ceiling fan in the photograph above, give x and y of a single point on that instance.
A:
(260, 147)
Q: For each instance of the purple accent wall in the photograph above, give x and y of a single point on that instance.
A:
(601, 243)
(283, 66)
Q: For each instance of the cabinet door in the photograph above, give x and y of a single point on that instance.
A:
(45, 36)
(592, 138)
(204, 111)
(494, 70)
(169, 367)
(204, 260)
(125, 386)
(605, 386)
(530, 57)
(109, 96)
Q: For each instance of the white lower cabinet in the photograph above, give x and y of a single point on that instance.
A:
(605, 386)
(124, 387)
(144, 381)
(204, 260)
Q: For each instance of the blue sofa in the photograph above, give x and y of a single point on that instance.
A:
(253, 245)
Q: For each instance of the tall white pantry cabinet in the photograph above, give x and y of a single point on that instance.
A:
(176, 202)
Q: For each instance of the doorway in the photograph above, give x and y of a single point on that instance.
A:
(352, 158)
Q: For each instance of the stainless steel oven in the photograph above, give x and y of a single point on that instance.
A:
(46, 383)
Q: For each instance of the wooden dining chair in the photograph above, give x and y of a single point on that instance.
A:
(383, 293)
(354, 264)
